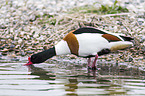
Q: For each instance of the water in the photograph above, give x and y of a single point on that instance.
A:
(66, 79)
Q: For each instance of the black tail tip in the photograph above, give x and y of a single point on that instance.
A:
(127, 38)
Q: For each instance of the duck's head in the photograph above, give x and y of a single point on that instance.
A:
(33, 59)
(41, 56)
(36, 58)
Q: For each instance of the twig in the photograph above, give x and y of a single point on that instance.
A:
(118, 14)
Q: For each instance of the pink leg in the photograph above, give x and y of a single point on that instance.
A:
(89, 62)
(94, 63)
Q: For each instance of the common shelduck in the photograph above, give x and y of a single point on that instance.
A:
(85, 42)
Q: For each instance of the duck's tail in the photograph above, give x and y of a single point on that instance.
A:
(120, 45)
(126, 42)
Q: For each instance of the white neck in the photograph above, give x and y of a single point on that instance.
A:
(62, 48)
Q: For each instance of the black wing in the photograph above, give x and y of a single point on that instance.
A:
(88, 30)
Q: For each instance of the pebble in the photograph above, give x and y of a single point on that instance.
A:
(141, 21)
(14, 59)
(142, 39)
(0, 55)
(29, 52)
(12, 46)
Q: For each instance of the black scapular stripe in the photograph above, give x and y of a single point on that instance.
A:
(125, 38)
(88, 30)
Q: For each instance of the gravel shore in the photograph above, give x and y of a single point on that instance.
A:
(29, 26)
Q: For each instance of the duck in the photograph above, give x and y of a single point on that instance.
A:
(86, 42)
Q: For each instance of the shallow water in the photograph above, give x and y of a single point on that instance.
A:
(64, 79)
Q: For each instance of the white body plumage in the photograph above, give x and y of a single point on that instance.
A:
(92, 43)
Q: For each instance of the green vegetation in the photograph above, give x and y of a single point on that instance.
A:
(103, 9)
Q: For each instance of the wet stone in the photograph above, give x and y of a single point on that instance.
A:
(142, 39)
(11, 37)
(12, 46)
(4, 53)
(2, 47)
(14, 59)
(130, 59)
(29, 52)
(141, 21)
(22, 53)
(1, 55)
(143, 49)
(3, 27)
(3, 40)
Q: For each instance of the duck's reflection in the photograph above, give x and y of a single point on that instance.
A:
(71, 86)
(108, 78)
(42, 73)
(91, 74)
